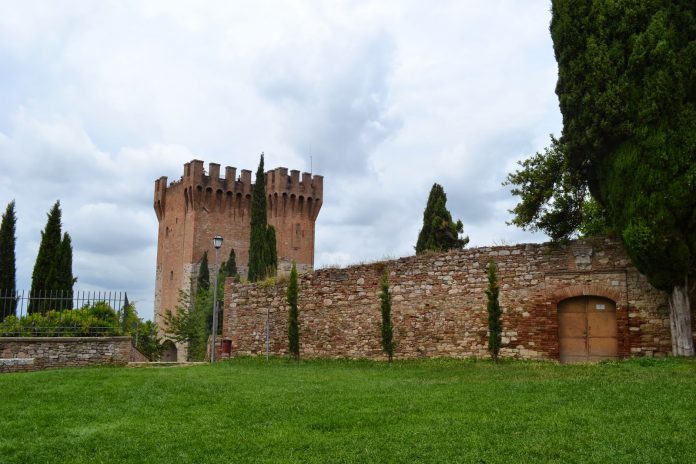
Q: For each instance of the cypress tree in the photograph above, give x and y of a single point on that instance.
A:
(231, 264)
(272, 253)
(44, 268)
(495, 326)
(387, 328)
(62, 281)
(8, 270)
(439, 232)
(203, 282)
(262, 247)
(293, 315)
(626, 92)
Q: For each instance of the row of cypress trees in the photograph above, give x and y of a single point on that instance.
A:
(52, 275)
(495, 326)
(439, 233)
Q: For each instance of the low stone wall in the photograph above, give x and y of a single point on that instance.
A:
(35, 353)
(439, 304)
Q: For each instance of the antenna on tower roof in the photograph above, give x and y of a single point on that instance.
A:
(310, 165)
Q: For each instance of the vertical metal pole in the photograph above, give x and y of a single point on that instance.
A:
(268, 327)
(215, 290)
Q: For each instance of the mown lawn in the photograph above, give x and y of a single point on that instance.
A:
(251, 410)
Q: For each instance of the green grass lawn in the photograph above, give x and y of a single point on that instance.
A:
(250, 410)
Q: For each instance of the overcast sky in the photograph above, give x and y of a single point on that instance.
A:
(98, 99)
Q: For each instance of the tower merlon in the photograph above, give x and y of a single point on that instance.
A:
(194, 170)
(230, 176)
(160, 196)
(214, 171)
(245, 179)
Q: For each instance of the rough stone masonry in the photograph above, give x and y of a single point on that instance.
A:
(36, 353)
(439, 304)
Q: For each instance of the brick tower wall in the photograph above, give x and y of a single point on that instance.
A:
(201, 205)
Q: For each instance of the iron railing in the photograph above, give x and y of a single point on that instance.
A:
(51, 313)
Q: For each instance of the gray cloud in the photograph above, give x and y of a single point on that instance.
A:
(387, 98)
(341, 114)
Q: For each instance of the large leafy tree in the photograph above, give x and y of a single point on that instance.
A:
(553, 199)
(627, 92)
(439, 232)
(8, 269)
(262, 244)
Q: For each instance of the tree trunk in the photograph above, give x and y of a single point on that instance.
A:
(680, 321)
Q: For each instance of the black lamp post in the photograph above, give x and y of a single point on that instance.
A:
(217, 243)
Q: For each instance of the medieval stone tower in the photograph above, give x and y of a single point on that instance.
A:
(201, 205)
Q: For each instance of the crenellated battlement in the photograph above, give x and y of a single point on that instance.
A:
(200, 188)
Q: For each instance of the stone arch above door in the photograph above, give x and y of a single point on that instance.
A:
(571, 291)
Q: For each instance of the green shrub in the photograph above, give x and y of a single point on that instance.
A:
(97, 319)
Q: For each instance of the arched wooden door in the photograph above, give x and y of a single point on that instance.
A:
(587, 329)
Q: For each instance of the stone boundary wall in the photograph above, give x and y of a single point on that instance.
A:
(439, 304)
(36, 353)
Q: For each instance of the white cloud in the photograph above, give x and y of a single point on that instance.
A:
(97, 100)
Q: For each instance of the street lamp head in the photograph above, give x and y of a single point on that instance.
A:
(217, 242)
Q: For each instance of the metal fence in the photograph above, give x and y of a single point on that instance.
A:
(52, 313)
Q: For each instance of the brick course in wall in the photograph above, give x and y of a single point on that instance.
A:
(439, 304)
(36, 353)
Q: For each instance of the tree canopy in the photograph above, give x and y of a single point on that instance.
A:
(439, 232)
(627, 91)
(627, 154)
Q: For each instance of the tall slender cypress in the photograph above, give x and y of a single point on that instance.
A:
(203, 282)
(64, 279)
(293, 315)
(44, 268)
(271, 253)
(8, 269)
(387, 327)
(495, 325)
(231, 264)
(439, 232)
(262, 246)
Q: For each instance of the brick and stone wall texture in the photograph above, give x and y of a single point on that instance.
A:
(36, 353)
(439, 304)
(200, 205)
